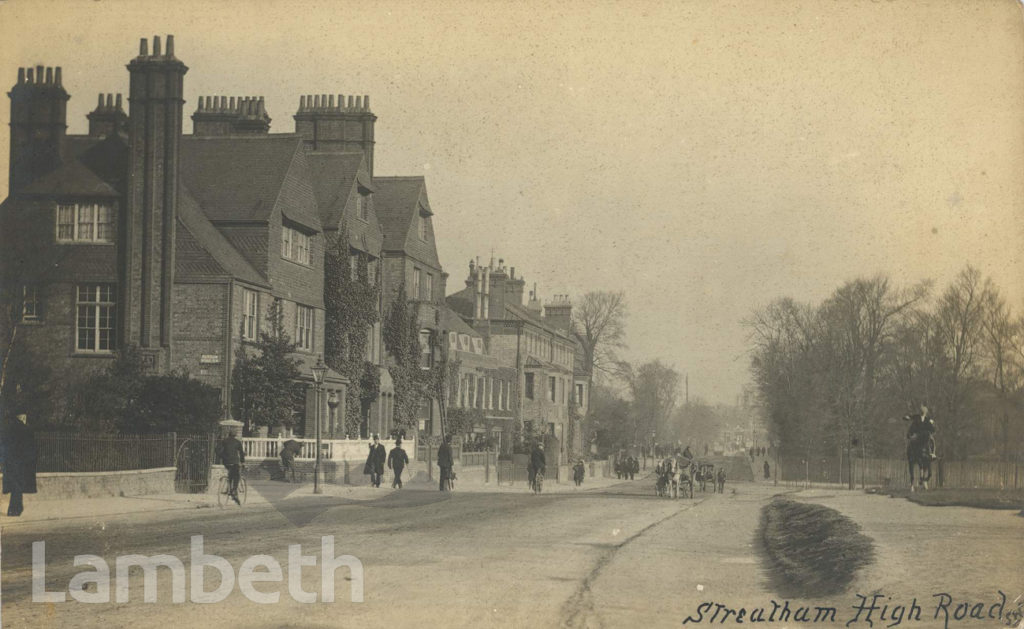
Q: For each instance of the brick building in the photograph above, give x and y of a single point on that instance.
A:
(137, 233)
(536, 342)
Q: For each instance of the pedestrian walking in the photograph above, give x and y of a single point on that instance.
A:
(375, 461)
(538, 465)
(721, 480)
(19, 456)
(634, 468)
(578, 472)
(397, 460)
(767, 471)
(446, 462)
(232, 455)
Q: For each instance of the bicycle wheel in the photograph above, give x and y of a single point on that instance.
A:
(242, 491)
(222, 491)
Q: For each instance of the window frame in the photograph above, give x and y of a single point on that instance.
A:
(296, 245)
(250, 316)
(304, 339)
(35, 316)
(552, 380)
(100, 309)
(416, 282)
(529, 385)
(94, 223)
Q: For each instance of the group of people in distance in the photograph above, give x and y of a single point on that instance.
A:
(626, 468)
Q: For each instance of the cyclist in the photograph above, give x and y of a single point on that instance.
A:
(538, 463)
(231, 455)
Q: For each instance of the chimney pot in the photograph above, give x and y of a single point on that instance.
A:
(21, 75)
(359, 102)
(100, 104)
(231, 104)
(316, 102)
(110, 101)
(302, 103)
(57, 77)
(31, 75)
(143, 47)
(49, 76)
(351, 101)
(170, 45)
(331, 101)
(39, 74)
(366, 102)
(118, 102)
(156, 45)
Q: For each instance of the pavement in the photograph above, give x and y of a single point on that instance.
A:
(262, 494)
(610, 554)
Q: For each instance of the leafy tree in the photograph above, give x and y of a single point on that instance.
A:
(266, 381)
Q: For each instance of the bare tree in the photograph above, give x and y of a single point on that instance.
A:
(599, 323)
(655, 389)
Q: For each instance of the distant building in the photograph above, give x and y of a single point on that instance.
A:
(537, 342)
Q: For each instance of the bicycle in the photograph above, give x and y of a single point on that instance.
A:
(538, 482)
(224, 496)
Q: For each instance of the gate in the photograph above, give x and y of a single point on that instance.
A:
(193, 458)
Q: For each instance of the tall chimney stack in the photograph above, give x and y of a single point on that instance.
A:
(38, 125)
(154, 131)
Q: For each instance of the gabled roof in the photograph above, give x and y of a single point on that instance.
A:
(397, 201)
(334, 175)
(451, 321)
(202, 252)
(72, 178)
(242, 178)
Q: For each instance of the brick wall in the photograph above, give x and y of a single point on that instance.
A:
(200, 332)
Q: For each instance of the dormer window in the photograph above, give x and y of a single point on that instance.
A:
(422, 226)
(85, 222)
(294, 245)
(363, 206)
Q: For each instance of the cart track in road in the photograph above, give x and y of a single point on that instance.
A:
(579, 610)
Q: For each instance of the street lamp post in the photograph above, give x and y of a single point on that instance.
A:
(319, 371)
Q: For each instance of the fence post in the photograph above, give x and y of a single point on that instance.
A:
(487, 466)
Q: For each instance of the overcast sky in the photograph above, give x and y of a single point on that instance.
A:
(704, 157)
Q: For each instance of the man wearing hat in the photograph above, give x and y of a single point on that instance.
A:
(446, 462)
(375, 461)
(397, 460)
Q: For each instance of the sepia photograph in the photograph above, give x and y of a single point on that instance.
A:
(512, 313)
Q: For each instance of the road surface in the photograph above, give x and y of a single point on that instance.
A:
(610, 557)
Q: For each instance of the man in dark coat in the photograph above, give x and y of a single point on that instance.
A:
(446, 462)
(19, 445)
(375, 461)
(231, 455)
(289, 450)
(721, 480)
(397, 460)
(767, 471)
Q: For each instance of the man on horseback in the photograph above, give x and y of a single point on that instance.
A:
(920, 445)
(921, 432)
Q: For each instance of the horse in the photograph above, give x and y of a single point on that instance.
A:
(919, 453)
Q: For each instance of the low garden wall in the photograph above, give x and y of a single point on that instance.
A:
(64, 485)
